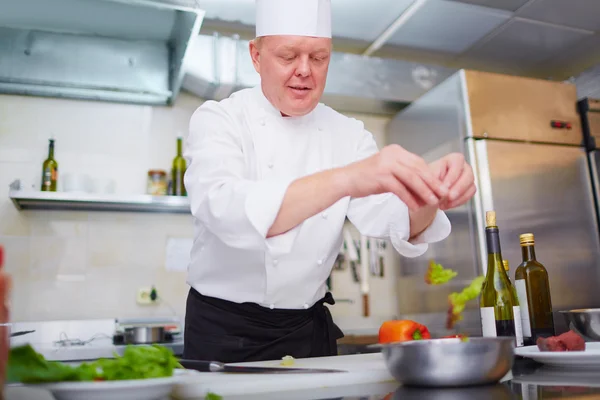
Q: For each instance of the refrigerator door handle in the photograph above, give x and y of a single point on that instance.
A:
(483, 201)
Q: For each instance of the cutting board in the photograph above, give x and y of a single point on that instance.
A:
(362, 369)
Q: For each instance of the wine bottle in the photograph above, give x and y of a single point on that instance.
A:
(49, 170)
(516, 307)
(177, 187)
(497, 299)
(533, 289)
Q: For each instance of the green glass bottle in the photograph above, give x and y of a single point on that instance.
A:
(178, 171)
(497, 298)
(533, 288)
(49, 170)
(516, 307)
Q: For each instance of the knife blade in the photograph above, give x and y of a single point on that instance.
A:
(215, 366)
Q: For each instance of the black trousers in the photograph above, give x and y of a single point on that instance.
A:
(220, 330)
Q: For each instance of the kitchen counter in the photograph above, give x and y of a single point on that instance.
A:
(528, 380)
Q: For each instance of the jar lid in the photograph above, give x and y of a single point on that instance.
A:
(157, 172)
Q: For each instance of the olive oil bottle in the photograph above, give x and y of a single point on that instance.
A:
(533, 289)
(516, 307)
(49, 170)
(178, 171)
(497, 298)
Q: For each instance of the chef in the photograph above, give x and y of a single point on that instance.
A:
(273, 175)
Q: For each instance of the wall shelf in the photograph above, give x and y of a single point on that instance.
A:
(38, 200)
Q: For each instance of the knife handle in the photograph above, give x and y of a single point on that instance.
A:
(202, 366)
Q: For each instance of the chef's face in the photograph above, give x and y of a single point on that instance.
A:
(293, 70)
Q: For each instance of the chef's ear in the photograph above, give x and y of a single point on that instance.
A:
(255, 48)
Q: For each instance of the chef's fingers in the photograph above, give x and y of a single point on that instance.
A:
(461, 185)
(397, 188)
(421, 168)
(462, 199)
(413, 182)
(455, 165)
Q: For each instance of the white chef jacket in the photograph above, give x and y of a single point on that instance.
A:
(243, 156)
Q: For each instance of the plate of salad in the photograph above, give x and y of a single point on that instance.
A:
(143, 372)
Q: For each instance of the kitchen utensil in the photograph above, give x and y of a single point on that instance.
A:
(449, 362)
(585, 321)
(373, 265)
(21, 333)
(214, 366)
(364, 274)
(145, 335)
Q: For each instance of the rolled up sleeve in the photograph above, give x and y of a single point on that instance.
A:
(385, 216)
(236, 209)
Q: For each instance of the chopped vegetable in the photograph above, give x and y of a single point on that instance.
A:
(401, 331)
(212, 396)
(464, 338)
(27, 366)
(457, 301)
(438, 275)
(287, 360)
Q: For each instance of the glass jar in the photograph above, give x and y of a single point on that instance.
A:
(157, 182)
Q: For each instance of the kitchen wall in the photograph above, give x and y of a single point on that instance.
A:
(73, 264)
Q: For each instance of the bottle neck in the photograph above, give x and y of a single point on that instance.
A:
(528, 252)
(51, 150)
(179, 147)
(494, 253)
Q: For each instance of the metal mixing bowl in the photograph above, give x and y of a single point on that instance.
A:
(450, 362)
(585, 321)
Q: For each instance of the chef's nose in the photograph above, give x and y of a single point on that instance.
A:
(303, 67)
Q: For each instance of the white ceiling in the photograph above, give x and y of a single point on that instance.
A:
(544, 38)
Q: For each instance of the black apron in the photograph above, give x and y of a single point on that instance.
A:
(221, 330)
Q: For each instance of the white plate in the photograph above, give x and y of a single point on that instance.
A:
(589, 358)
(148, 389)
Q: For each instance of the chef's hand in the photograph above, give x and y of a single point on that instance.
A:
(457, 175)
(395, 170)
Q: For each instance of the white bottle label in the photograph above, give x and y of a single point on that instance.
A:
(488, 322)
(522, 294)
(518, 325)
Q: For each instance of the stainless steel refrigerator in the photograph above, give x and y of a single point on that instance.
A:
(589, 111)
(524, 140)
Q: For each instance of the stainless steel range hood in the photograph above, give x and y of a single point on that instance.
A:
(218, 66)
(129, 51)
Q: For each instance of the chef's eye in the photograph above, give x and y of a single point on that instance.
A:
(288, 57)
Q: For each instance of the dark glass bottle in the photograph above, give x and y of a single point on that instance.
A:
(533, 289)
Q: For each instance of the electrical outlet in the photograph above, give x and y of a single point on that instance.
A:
(143, 296)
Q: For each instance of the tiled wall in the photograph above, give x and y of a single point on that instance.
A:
(74, 264)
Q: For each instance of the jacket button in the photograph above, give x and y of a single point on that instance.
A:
(272, 306)
(319, 262)
(305, 306)
(270, 165)
(324, 214)
(263, 122)
(275, 261)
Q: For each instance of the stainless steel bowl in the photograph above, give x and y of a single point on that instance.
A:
(450, 362)
(585, 321)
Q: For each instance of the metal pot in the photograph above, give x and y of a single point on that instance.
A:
(145, 335)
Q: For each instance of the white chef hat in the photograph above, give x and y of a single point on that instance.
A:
(293, 17)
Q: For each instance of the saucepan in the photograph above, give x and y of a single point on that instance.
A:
(451, 362)
(146, 335)
(585, 321)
